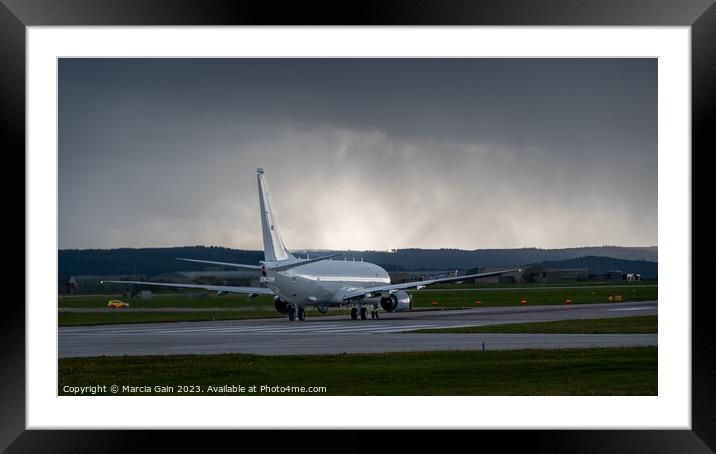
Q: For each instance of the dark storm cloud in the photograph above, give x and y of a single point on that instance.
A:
(466, 153)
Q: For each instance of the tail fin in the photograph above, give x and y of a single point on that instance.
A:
(274, 250)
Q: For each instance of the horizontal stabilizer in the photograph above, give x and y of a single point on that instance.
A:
(236, 265)
(213, 288)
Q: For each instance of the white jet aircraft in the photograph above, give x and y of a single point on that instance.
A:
(320, 282)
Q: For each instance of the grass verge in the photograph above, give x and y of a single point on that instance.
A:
(263, 306)
(117, 316)
(596, 371)
(194, 299)
(531, 296)
(647, 324)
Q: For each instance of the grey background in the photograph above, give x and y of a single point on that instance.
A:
(359, 153)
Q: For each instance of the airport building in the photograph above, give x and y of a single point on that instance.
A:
(400, 277)
(613, 275)
(507, 278)
(542, 275)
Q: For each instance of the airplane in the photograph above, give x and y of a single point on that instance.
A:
(319, 282)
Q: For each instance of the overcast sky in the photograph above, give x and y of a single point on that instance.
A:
(358, 153)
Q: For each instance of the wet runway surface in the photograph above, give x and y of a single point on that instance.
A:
(339, 334)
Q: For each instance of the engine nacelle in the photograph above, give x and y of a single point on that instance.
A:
(396, 302)
(281, 306)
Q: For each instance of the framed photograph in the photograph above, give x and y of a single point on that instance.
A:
(474, 209)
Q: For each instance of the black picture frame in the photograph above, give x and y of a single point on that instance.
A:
(16, 15)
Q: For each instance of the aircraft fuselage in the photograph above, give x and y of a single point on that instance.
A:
(321, 283)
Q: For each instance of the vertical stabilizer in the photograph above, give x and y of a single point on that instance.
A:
(274, 250)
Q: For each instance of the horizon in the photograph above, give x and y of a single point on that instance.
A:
(356, 250)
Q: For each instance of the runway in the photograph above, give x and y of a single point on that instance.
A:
(338, 334)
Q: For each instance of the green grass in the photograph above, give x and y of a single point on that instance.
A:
(170, 300)
(121, 316)
(532, 296)
(645, 290)
(647, 324)
(263, 305)
(597, 371)
(528, 285)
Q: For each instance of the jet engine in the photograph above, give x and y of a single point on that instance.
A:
(281, 306)
(396, 302)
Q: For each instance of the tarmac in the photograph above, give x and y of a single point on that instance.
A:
(339, 334)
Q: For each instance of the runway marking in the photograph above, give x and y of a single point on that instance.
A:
(261, 329)
(280, 330)
(173, 330)
(631, 309)
(374, 329)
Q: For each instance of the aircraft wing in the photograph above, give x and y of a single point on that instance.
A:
(372, 291)
(214, 288)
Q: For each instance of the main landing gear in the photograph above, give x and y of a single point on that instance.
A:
(296, 313)
(363, 313)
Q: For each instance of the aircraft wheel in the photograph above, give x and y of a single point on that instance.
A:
(291, 315)
(363, 313)
(354, 313)
(301, 314)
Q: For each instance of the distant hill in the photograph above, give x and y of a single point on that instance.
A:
(153, 261)
(599, 265)
(145, 261)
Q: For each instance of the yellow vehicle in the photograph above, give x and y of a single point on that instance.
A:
(117, 304)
